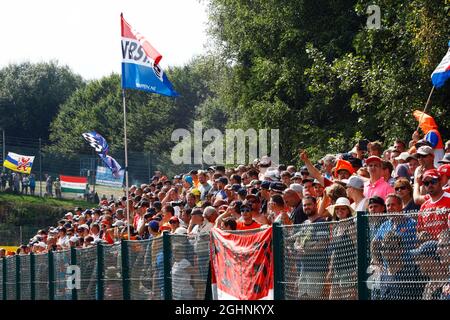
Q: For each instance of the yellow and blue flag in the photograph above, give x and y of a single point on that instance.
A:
(18, 162)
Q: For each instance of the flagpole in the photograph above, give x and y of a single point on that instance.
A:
(126, 160)
(425, 109)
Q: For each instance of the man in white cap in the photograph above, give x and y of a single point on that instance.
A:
(355, 191)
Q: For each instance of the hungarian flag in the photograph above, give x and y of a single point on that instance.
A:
(140, 64)
(242, 264)
(442, 72)
(70, 184)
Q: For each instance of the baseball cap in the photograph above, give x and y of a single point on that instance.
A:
(445, 159)
(154, 225)
(377, 199)
(444, 170)
(265, 161)
(255, 182)
(236, 187)
(297, 187)
(118, 223)
(354, 182)
(277, 187)
(297, 175)
(242, 192)
(196, 192)
(272, 175)
(431, 173)
(265, 185)
(83, 226)
(425, 151)
(403, 156)
(373, 159)
(68, 214)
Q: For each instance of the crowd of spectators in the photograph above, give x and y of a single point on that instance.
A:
(400, 179)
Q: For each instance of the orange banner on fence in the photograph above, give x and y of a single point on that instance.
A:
(242, 264)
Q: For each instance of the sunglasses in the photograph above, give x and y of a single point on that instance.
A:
(400, 188)
(428, 182)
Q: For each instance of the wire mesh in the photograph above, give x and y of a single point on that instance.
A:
(11, 278)
(141, 273)
(25, 277)
(190, 264)
(320, 260)
(409, 257)
(113, 286)
(41, 276)
(87, 261)
(61, 262)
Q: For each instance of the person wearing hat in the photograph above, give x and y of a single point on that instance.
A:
(297, 178)
(264, 195)
(425, 157)
(343, 232)
(445, 159)
(355, 192)
(431, 221)
(444, 171)
(277, 188)
(247, 222)
(376, 186)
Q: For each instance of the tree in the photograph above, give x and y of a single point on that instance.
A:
(30, 96)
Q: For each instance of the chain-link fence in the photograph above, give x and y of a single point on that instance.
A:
(320, 260)
(399, 256)
(41, 277)
(408, 259)
(86, 259)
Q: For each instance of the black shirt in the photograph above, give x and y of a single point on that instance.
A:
(297, 215)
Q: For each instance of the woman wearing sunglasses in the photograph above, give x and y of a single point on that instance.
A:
(404, 190)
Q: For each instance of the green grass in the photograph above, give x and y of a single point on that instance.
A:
(36, 200)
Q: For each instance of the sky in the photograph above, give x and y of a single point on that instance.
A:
(85, 34)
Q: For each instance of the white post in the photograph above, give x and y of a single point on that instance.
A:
(126, 160)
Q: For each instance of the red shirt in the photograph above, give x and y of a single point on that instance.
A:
(431, 219)
(240, 225)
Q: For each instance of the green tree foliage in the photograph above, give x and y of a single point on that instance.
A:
(312, 69)
(30, 96)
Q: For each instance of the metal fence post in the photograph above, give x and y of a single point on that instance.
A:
(167, 266)
(73, 261)
(51, 277)
(362, 233)
(17, 277)
(100, 272)
(277, 249)
(32, 277)
(4, 275)
(125, 270)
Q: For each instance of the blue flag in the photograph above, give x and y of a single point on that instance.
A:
(140, 68)
(101, 147)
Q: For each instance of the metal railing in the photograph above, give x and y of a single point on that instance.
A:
(380, 257)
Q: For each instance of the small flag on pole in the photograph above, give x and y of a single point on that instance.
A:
(140, 68)
(442, 72)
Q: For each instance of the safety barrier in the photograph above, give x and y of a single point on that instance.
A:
(167, 267)
(399, 256)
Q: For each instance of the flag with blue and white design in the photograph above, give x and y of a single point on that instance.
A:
(442, 72)
(140, 64)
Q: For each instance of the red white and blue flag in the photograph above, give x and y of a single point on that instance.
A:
(442, 72)
(140, 64)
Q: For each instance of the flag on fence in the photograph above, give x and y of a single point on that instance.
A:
(71, 184)
(140, 64)
(18, 162)
(442, 72)
(242, 264)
